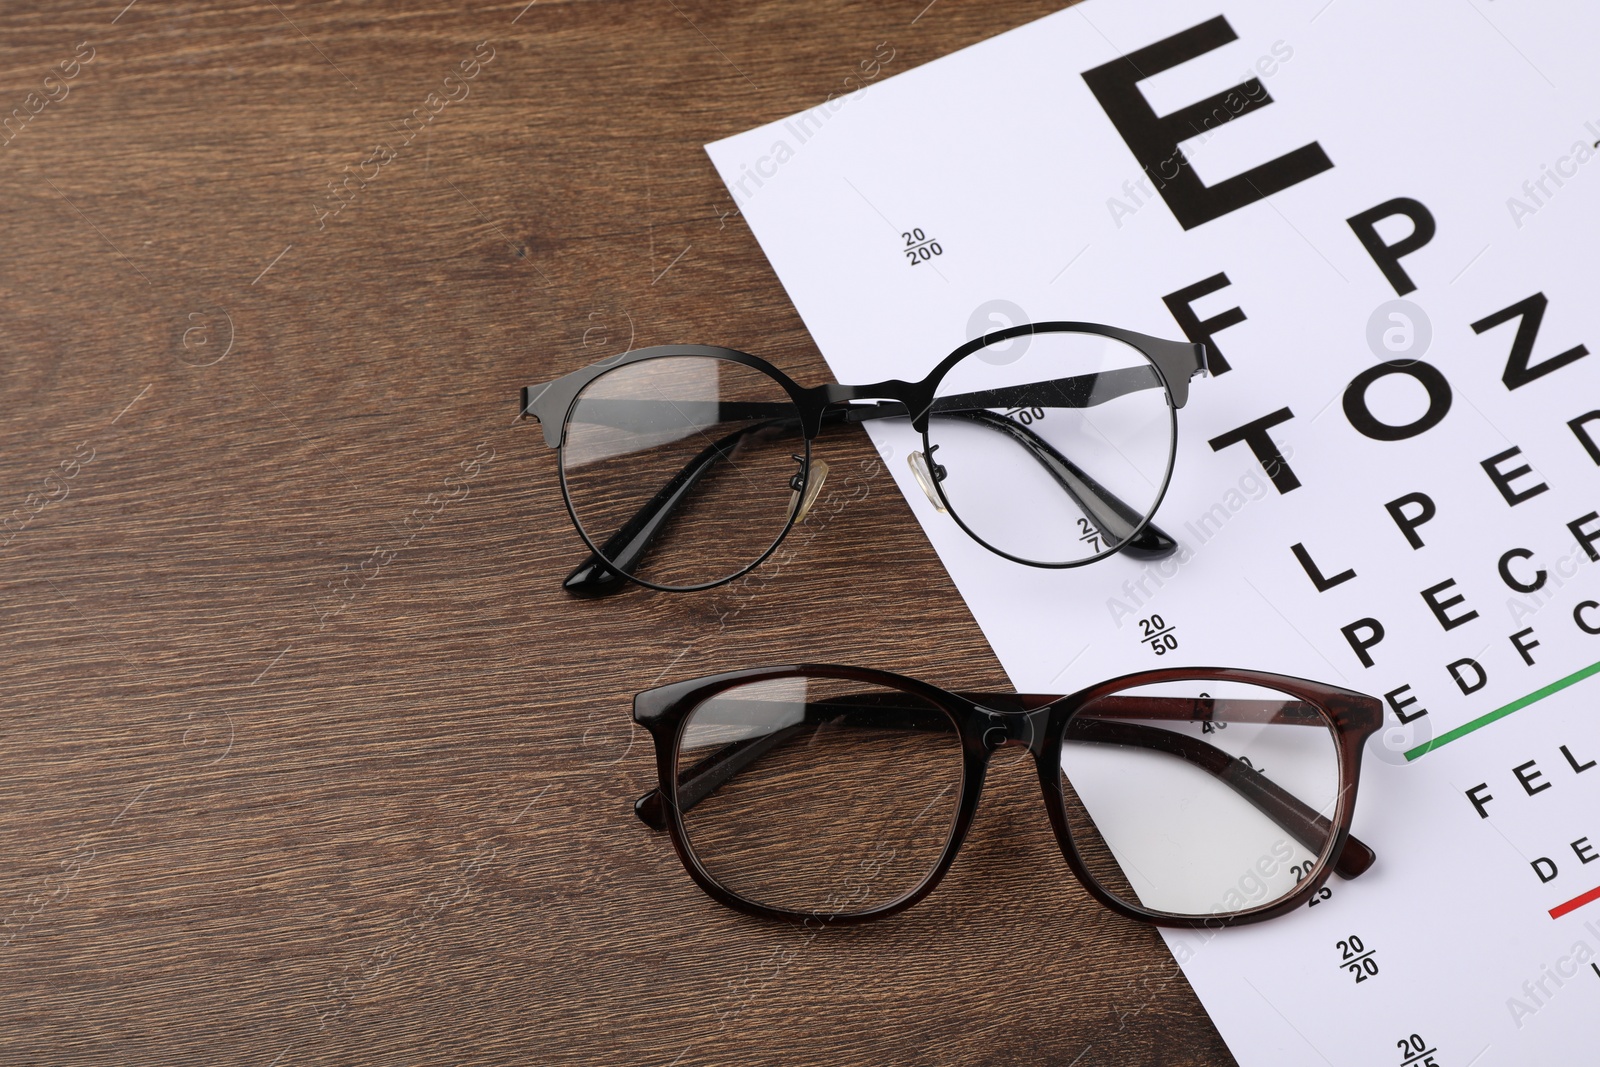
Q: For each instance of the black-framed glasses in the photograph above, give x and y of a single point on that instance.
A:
(684, 466)
(1181, 797)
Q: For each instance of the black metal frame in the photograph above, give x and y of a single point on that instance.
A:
(986, 722)
(608, 567)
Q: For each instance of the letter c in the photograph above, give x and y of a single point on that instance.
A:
(1539, 575)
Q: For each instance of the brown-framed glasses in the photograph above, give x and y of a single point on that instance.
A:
(1182, 797)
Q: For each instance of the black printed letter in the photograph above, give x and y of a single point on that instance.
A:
(1202, 331)
(1254, 434)
(1154, 138)
(1386, 256)
(1531, 313)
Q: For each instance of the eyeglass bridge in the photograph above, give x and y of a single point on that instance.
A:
(1020, 729)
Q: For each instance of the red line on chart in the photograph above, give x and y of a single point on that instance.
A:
(1575, 903)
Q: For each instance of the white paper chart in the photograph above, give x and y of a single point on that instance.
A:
(1388, 230)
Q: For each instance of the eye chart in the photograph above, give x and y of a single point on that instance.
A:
(1384, 222)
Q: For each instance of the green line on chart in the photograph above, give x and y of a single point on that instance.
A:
(1499, 713)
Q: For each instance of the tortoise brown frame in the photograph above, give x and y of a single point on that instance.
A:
(986, 722)
(609, 567)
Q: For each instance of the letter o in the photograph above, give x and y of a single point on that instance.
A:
(1361, 417)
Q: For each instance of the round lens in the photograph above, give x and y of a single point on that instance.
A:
(682, 470)
(1199, 798)
(819, 795)
(1053, 447)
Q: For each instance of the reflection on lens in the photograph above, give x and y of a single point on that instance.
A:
(1200, 798)
(1054, 453)
(680, 467)
(826, 796)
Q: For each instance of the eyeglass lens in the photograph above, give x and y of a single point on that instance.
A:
(1052, 447)
(1204, 817)
(717, 437)
(841, 795)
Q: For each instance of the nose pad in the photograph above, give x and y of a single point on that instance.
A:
(813, 486)
(927, 476)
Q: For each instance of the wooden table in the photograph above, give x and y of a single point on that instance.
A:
(307, 757)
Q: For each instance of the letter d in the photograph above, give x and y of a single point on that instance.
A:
(1468, 687)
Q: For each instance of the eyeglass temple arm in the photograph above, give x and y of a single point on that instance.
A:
(1078, 391)
(594, 577)
(1272, 800)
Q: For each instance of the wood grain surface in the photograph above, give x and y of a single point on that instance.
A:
(307, 758)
